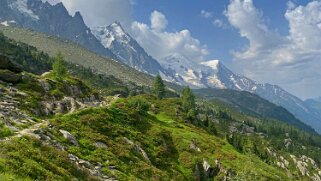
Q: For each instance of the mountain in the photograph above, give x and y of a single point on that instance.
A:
(111, 40)
(127, 50)
(252, 104)
(184, 71)
(315, 105)
(76, 54)
(213, 74)
(50, 19)
(66, 128)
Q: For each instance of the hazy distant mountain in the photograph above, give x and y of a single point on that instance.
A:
(214, 74)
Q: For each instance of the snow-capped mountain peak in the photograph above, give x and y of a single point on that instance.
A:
(22, 7)
(108, 34)
(127, 50)
(213, 64)
(213, 74)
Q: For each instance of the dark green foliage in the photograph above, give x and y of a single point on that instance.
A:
(211, 128)
(188, 101)
(252, 104)
(58, 67)
(4, 130)
(159, 87)
(28, 57)
(139, 104)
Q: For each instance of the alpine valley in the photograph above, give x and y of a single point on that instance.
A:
(90, 104)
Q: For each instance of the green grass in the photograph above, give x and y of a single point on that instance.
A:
(12, 177)
(29, 158)
(4, 130)
(166, 142)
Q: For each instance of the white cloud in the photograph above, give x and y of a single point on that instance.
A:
(206, 14)
(160, 43)
(100, 12)
(158, 21)
(291, 61)
(290, 5)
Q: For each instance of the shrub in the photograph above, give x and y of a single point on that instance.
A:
(4, 131)
(139, 104)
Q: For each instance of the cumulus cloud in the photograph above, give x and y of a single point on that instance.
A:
(158, 21)
(291, 61)
(100, 12)
(160, 43)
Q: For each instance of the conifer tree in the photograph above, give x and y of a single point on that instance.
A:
(188, 99)
(58, 67)
(159, 87)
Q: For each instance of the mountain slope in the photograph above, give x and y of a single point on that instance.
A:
(53, 129)
(314, 105)
(78, 55)
(252, 104)
(126, 48)
(214, 74)
(50, 19)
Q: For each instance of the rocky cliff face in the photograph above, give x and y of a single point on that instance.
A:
(51, 19)
(127, 49)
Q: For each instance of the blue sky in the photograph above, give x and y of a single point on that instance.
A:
(183, 14)
(223, 39)
(270, 41)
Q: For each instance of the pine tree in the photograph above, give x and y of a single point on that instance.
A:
(159, 87)
(188, 99)
(58, 66)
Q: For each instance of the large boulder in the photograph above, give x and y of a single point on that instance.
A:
(9, 76)
(6, 63)
(69, 137)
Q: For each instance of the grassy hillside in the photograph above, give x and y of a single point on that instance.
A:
(78, 128)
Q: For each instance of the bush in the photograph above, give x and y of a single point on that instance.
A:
(4, 131)
(139, 104)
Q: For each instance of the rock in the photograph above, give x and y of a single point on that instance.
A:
(316, 177)
(302, 166)
(69, 137)
(112, 167)
(193, 146)
(287, 142)
(45, 85)
(100, 145)
(271, 152)
(247, 129)
(45, 74)
(62, 106)
(280, 164)
(73, 158)
(6, 63)
(210, 171)
(138, 149)
(9, 77)
(85, 164)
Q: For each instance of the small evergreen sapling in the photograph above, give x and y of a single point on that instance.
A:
(58, 67)
(159, 87)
